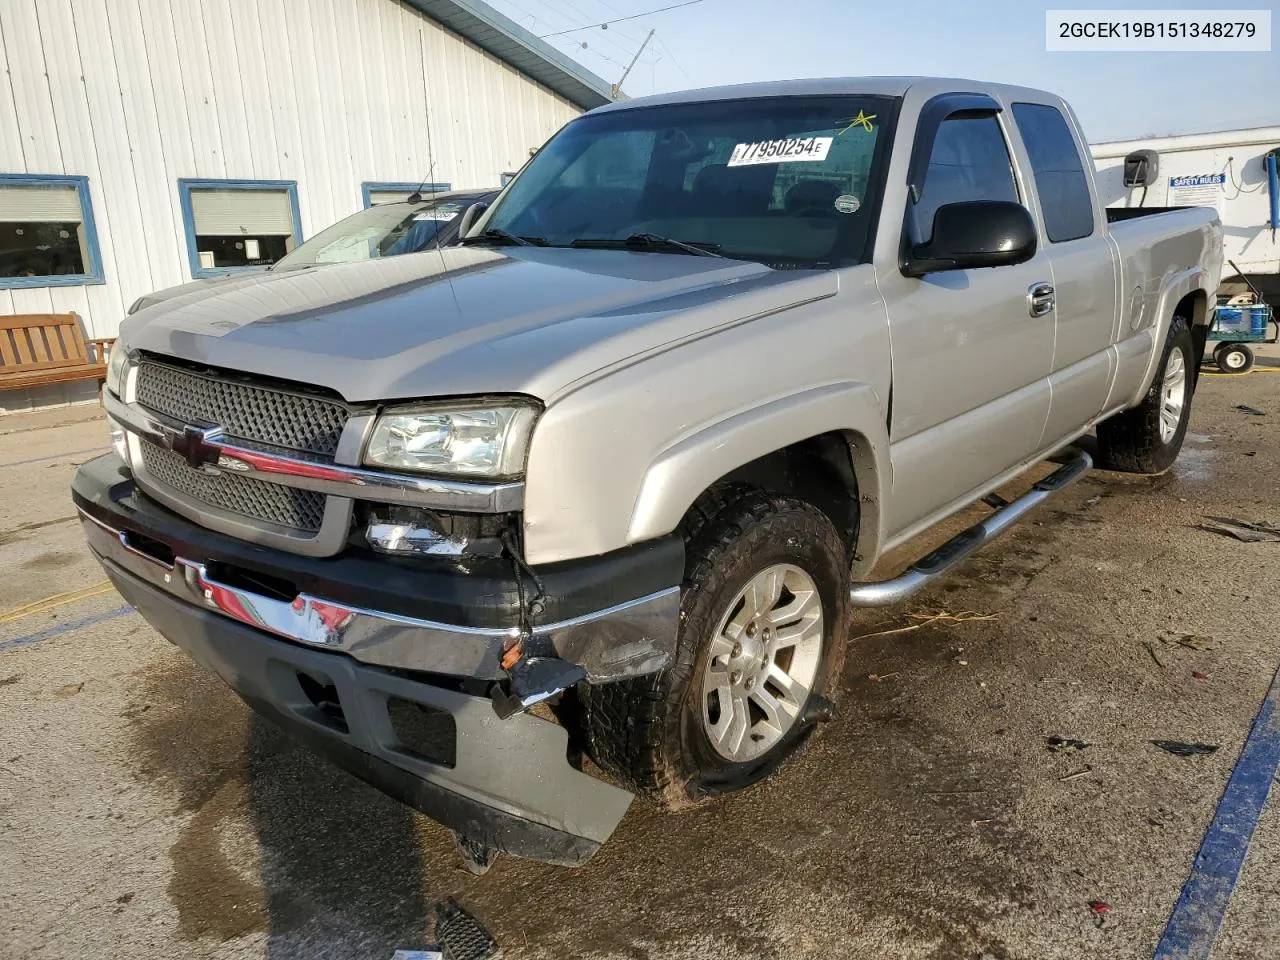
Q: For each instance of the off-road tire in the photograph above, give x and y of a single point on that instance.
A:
(1130, 441)
(648, 732)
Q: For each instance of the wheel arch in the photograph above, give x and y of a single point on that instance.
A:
(827, 445)
(1194, 308)
(1183, 294)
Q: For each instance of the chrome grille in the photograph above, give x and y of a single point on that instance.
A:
(244, 411)
(300, 510)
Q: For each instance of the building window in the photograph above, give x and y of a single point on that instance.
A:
(238, 224)
(47, 237)
(376, 192)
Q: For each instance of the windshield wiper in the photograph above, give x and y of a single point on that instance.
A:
(652, 241)
(499, 236)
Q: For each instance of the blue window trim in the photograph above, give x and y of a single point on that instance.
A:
(95, 274)
(186, 185)
(370, 187)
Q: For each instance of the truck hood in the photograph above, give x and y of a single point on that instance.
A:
(191, 286)
(462, 320)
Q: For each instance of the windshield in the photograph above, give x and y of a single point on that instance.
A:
(383, 230)
(784, 181)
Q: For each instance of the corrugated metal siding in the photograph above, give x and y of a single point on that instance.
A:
(135, 94)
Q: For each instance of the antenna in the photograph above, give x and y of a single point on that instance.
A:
(416, 196)
(617, 87)
(431, 165)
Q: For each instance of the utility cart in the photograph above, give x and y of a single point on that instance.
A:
(1235, 326)
(1237, 322)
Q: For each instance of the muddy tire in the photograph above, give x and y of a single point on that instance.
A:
(764, 618)
(1147, 438)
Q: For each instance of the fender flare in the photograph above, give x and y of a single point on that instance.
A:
(1172, 290)
(688, 466)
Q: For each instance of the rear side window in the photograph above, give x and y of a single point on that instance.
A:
(1059, 173)
(970, 161)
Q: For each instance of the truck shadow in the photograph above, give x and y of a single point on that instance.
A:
(340, 862)
(291, 858)
(274, 843)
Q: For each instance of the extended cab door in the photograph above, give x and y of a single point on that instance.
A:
(1082, 262)
(971, 353)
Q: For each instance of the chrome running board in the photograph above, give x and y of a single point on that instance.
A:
(927, 569)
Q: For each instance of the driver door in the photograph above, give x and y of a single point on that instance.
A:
(970, 361)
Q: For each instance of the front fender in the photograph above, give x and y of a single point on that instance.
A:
(619, 459)
(682, 471)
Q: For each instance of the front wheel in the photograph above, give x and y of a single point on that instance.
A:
(1147, 438)
(764, 617)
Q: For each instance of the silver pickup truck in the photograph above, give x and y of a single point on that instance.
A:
(580, 509)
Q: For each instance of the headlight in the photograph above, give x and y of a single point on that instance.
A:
(117, 360)
(459, 440)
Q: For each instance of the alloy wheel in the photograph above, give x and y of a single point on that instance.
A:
(763, 662)
(1173, 395)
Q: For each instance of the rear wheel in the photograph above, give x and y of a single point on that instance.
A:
(764, 620)
(1147, 438)
(1233, 358)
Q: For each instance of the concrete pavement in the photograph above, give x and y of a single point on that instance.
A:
(146, 813)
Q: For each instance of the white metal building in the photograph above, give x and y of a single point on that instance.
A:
(146, 142)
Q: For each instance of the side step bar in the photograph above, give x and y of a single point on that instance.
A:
(924, 571)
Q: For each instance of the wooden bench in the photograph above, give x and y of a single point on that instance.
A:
(40, 348)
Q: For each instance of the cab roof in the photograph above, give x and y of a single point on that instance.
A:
(826, 86)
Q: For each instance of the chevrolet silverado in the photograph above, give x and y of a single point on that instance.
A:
(580, 509)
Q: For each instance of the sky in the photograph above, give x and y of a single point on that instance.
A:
(1116, 95)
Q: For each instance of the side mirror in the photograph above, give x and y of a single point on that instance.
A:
(975, 233)
(470, 216)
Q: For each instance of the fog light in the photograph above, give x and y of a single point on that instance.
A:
(412, 540)
(410, 532)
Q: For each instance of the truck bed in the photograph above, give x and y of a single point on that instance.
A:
(1155, 242)
(1116, 214)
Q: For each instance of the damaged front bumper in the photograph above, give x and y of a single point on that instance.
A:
(288, 635)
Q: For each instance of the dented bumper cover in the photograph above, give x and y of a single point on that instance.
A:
(372, 631)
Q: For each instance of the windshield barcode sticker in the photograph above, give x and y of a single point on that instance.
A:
(780, 151)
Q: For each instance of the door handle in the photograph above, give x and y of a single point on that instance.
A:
(1040, 299)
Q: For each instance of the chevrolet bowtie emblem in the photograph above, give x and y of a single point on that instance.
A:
(199, 447)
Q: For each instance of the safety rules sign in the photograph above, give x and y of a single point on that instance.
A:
(1203, 190)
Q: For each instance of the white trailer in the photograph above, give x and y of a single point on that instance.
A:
(1233, 171)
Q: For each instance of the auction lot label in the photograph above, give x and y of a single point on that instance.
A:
(1157, 30)
(793, 150)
